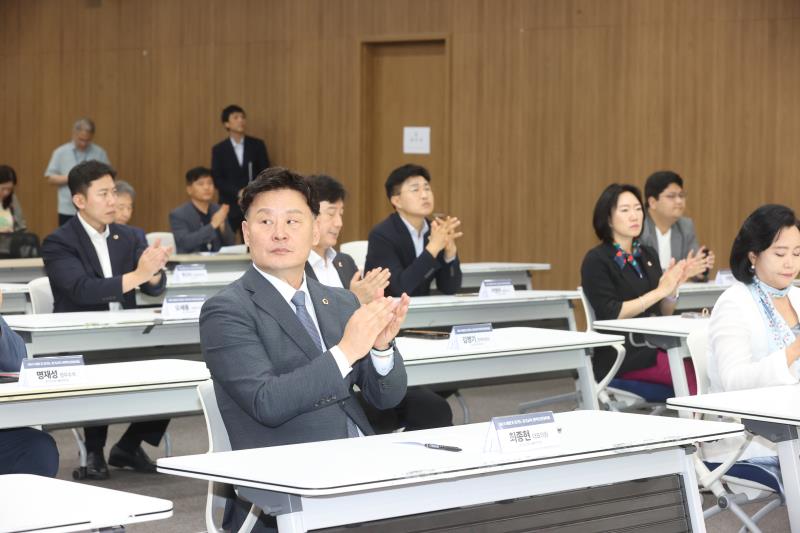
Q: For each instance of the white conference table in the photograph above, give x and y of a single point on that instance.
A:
(110, 392)
(666, 332)
(101, 330)
(21, 270)
(473, 274)
(15, 299)
(214, 262)
(425, 311)
(699, 295)
(36, 503)
(773, 413)
(307, 490)
(514, 352)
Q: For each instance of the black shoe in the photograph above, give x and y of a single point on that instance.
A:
(96, 467)
(138, 460)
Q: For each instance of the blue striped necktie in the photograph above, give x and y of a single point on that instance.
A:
(299, 301)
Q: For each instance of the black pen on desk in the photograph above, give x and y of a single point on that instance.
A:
(433, 446)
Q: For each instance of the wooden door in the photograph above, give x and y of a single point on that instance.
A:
(404, 83)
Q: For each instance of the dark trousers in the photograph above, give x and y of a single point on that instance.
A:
(420, 409)
(28, 451)
(150, 432)
(63, 219)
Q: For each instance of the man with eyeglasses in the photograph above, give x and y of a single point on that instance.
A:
(668, 231)
(415, 249)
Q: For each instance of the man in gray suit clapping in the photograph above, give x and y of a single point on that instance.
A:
(285, 351)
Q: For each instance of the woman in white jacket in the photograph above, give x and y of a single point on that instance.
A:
(754, 333)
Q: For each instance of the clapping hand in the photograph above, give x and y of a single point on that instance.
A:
(370, 286)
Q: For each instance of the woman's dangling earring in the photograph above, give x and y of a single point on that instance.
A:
(752, 267)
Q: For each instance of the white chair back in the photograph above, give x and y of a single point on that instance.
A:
(41, 295)
(167, 238)
(698, 348)
(357, 250)
(588, 312)
(219, 493)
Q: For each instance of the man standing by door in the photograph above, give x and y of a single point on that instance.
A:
(236, 161)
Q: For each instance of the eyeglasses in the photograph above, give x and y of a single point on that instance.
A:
(674, 196)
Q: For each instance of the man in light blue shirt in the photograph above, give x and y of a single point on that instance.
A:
(79, 149)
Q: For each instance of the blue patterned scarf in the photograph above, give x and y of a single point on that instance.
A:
(780, 334)
(621, 257)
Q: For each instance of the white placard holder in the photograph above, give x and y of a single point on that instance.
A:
(192, 273)
(518, 433)
(50, 372)
(470, 336)
(724, 277)
(177, 307)
(495, 288)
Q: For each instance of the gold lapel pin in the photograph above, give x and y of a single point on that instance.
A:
(340, 264)
(649, 264)
(325, 301)
(115, 237)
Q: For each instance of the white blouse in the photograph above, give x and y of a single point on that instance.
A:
(738, 347)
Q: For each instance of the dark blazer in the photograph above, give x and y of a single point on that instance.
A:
(345, 266)
(229, 176)
(390, 246)
(607, 286)
(12, 349)
(191, 235)
(272, 384)
(76, 276)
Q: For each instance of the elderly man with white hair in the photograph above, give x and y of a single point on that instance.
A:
(79, 149)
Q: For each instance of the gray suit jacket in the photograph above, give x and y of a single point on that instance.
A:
(345, 266)
(272, 384)
(191, 235)
(682, 239)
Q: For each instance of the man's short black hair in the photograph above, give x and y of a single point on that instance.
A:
(275, 179)
(327, 188)
(230, 110)
(601, 220)
(194, 174)
(83, 174)
(399, 175)
(757, 233)
(658, 181)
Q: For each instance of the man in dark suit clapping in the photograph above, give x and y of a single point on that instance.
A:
(95, 264)
(236, 161)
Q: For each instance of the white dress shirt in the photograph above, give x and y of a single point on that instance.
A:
(323, 268)
(382, 361)
(238, 148)
(100, 243)
(664, 247)
(417, 237)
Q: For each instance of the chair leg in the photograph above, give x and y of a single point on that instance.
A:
(81, 447)
(250, 521)
(167, 444)
(745, 519)
(464, 407)
(533, 404)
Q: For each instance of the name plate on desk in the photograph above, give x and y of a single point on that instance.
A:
(470, 336)
(724, 277)
(175, 307)
(44, 372)
(495, 288)
(194, 273)
(522, 432)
